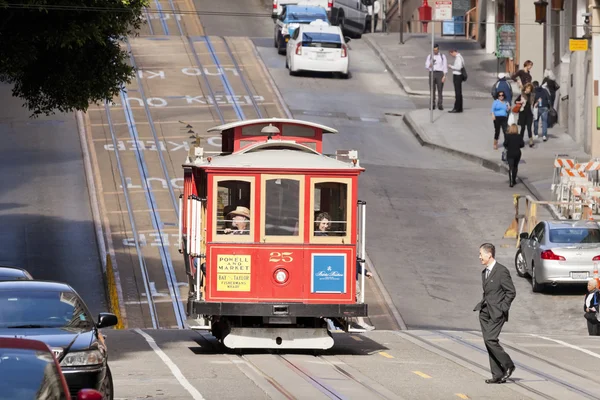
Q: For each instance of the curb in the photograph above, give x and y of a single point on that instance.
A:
(402, 82)
(499, 167)
(110, 272)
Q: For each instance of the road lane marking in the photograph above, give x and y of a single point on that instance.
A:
(384, 354)
(356, 338)
(461, 396)
(171, 365)
(571, 346)
(421, 374)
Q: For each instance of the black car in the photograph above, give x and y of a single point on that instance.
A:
(14, 274)
(53, 313)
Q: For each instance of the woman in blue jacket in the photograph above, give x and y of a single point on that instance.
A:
(500, 109)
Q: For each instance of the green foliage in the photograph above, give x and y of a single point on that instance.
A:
(63, 54)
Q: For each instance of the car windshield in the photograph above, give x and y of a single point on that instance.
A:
(575, 235)
(42, 309)
(305, 16)
(29, 374)
(321, 39)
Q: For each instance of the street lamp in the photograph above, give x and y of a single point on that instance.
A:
(540, 11)
(558, 5)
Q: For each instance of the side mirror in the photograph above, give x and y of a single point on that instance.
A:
(524, 235)
(89, 394)
(107, 319)
(347, 39)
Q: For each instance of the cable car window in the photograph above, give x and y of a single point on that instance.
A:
(330, 208)
(282, 207)
(253, 130)
(233, 213)
(298, 131)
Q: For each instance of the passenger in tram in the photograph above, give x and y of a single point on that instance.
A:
(322, 224)
(240, 218)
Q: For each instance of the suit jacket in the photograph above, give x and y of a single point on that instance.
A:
(595, 299)
(498, 292)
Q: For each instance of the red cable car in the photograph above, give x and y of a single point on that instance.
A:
(272, 233)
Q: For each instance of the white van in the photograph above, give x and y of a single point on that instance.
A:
(350, 16)
(279, 4)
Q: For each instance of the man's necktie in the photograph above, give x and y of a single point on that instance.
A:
(487, 273)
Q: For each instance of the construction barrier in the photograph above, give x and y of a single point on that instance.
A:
(112, 292)
(576, 185)
(525, 222)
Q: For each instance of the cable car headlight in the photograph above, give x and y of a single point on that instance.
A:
(281, 275)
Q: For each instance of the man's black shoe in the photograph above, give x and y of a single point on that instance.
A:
(441, 108)
(453, 111)
(495, 380)
(508, 373)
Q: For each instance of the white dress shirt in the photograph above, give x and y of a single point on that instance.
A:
(439, 63)
(459, 63)
(376, 7)
(488, 269)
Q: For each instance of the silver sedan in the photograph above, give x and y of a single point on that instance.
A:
(559, 252)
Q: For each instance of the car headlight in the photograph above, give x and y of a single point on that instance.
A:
(82, 358)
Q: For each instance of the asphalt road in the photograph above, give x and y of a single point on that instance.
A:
(427, 212)
(46, 221)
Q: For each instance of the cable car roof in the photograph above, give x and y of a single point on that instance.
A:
(235, 124)
(276, 159)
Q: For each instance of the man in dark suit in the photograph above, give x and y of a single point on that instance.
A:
(498, 294)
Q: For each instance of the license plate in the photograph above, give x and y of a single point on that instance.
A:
(321, 56)
(579, 275)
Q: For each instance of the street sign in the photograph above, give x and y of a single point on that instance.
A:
(506, 41)
(578, 44)
(443, 10)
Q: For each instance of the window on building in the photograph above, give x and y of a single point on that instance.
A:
(233, 212)
(330, 209)
(282, 206)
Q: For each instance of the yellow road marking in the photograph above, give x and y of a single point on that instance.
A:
(462, 396)
(386, 355)
(421, 374)
(356, 338)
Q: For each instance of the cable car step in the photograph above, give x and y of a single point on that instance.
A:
(201, 324)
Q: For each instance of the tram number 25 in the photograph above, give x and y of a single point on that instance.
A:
(277, 256)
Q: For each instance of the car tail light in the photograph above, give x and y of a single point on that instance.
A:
(597, 258)
(274, 4)
(281, 275)
(549, 255)
(329, 4)
(344, 51)
(299, 49)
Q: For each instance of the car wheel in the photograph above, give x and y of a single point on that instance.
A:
(345, 76)
(107, 386)
(520, 264)
(535, 287)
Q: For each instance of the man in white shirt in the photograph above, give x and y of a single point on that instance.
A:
(373, 16)
(457, 79)
(439, 71)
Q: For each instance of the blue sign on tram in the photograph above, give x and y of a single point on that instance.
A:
(328, 273)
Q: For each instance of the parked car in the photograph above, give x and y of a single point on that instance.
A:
(14, 274)
(351, 16)
(55, 314)
(559, 252)
(318, 47)
(29, 370)
(291, 18)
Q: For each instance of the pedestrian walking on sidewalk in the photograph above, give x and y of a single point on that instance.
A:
(526, 101)
(591, 307)
(502, 85)
(542, 103)
(457, 79)
(523, 76)
(500, 109)
(498, 294)
(513, 144)
(439, 68)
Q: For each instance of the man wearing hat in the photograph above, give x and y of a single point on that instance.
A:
(502, 85)
(439, 69)
(240, 218)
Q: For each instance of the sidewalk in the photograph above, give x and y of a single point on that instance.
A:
(470, 135)
(406, 62)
